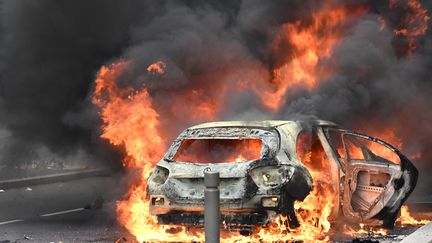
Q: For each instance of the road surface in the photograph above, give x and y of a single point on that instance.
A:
(79, 210)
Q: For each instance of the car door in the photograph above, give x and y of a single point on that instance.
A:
(378, 178)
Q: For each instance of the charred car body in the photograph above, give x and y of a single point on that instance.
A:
(262, 173)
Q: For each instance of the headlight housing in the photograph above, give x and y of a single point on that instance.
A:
(272, 176)
(159, 175)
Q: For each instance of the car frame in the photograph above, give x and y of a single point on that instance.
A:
(176, 188)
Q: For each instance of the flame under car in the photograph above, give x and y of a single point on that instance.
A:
(264, 167)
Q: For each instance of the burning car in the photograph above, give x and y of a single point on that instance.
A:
(266, 166)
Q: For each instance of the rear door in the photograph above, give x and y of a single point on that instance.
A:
(377, 178)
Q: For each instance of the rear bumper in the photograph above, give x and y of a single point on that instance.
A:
(160, 204)
(228, 219)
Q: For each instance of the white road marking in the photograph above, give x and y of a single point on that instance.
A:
(44, 215)
(63, 212)
(11, 221)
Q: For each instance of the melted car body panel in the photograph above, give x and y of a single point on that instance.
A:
(253, 192)
(375, 183)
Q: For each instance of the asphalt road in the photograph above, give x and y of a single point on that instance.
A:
(30, 201)
(82, 226)
(70, 211)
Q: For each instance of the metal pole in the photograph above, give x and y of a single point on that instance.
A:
(211, 207)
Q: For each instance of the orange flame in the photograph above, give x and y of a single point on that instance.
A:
(134, 122)
(406, 218)
(363, 229)
(157, 67)
(415, 22)
(386, 134)
(128, 116)
(309, 46)
(130, 120)
(218, 150)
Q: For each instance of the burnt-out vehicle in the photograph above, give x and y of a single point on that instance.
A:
(263, 171)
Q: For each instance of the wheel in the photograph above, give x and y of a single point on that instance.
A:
(286, 207)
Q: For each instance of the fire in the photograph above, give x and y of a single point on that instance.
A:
(204, 106)
(130, 120)
(406, 218)
(389, 136)
(239, 158)
(218, 150)
(128, 116)
(309, 47)
(386, 134)
(414, 23)
(362, 229)
(313, 219)
(157, 67)
(314, 212)
(139, 125)
(313, 215)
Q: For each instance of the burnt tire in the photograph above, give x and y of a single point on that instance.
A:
(286, 207)
(390, 219)
(300, 184)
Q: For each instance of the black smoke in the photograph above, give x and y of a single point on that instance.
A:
(50, 52)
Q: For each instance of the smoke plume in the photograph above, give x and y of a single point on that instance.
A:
(219, 56)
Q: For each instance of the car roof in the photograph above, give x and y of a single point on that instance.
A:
(264, 124)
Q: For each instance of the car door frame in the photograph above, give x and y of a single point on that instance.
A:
(336, 171)
(394, 194)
